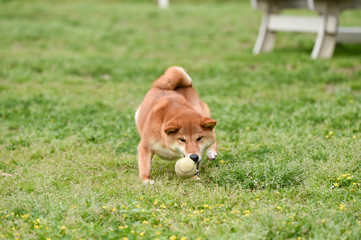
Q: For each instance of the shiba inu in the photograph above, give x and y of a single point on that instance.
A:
(173, 122)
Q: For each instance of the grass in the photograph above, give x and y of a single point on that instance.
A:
(72, 75)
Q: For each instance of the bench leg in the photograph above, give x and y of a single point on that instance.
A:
(266, 38)
(327, 34)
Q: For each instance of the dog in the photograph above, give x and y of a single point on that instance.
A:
(173, 122)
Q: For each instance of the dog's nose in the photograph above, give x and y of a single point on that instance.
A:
(194, 157)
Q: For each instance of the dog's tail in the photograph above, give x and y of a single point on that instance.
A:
(174, 77)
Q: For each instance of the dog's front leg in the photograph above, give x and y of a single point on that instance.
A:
(212, 151)
(144, 159)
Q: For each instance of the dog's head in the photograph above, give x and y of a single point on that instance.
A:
(190, 135)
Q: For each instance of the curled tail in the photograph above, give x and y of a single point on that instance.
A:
(174, 77)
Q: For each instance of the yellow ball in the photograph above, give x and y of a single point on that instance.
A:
(185, 168)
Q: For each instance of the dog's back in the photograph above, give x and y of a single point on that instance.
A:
(173, 87)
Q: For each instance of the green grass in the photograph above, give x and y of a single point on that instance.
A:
(72, 75)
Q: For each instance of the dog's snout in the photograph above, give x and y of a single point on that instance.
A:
(194, 157)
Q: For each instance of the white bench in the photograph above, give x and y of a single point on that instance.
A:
(163, 3)
(326, 25)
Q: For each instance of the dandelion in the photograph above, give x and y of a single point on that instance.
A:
(155, 202)
(62, 228)
(132, 231)
(145, 222)
(111, 229)
(354, 137)
(206, 220)
(25, 216)
(330, 133)
(105, 207)
(323, 220)
(327, 136)
(335, 184)
(246, 213)
(221, 161)
(37, 226)
(158, 233)
(125, 134)
(183, 238)
(279, 207)
(17, 234)
(47, 238)
(342, 206)
(141, 234)
(114, 209)
(173, 238)
(162, 206)
(124, 238)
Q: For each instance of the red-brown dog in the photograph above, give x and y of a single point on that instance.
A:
(173, 122)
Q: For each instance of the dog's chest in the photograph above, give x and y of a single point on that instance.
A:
(164, 152)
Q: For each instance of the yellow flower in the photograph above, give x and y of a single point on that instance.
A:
(132, 231)
(246, 213)
(206, 219)
(158, 233)
(155, 202)
(145, 222)
(354, 137)
(335, 184)
(323, 220)
(48, 239)
(183, 238)
(173, 238)
(141, 234)
(330, 133)
(111, 229)
(62, 228)
(124, 238)
(37, 226)
(342, 206)
(25, 216)
(279, 208)
(221, 161)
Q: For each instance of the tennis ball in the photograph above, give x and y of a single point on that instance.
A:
(185, 168)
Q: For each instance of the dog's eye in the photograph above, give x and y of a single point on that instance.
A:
(182, 140)
(199, 139)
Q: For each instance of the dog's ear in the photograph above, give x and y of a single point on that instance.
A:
(208, 123)
(171, 127)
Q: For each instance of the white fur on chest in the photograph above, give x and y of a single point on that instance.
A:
(166, 153)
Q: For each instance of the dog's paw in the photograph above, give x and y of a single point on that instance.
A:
(211, 155)
(196, 178)
(148, 181)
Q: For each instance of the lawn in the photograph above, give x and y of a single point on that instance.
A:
(72, 74)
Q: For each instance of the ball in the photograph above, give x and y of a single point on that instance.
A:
(185, 168)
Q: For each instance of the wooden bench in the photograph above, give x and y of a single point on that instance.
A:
(326, 25)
